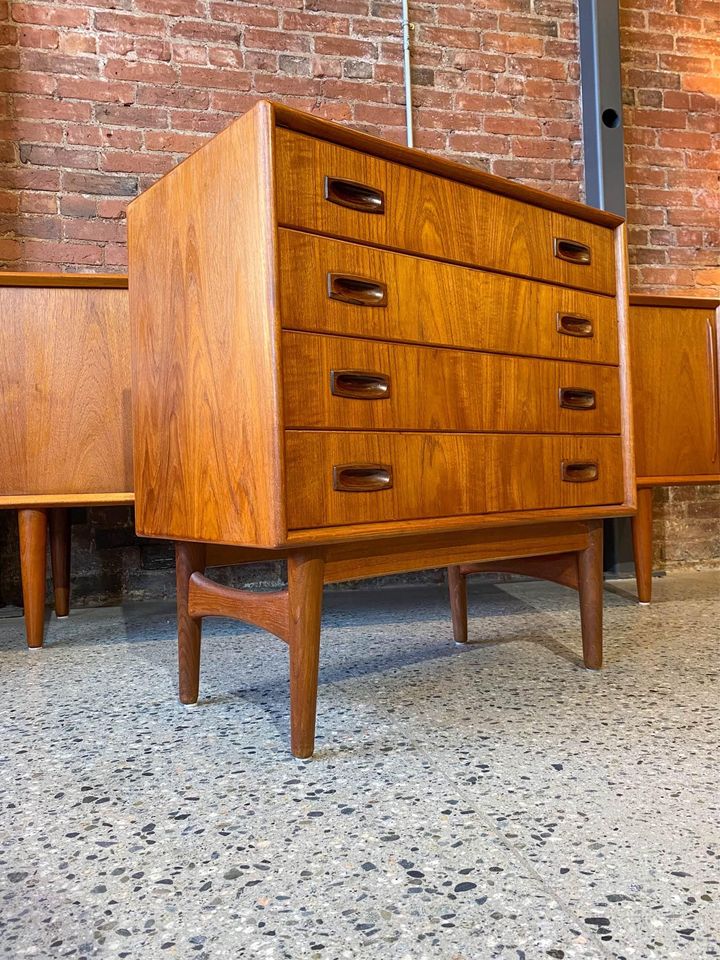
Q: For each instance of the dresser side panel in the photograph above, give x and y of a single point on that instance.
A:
(206, 401)
(65, 421)
(675, 386)
(623, 318)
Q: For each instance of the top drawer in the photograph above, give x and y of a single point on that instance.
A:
(344, 193)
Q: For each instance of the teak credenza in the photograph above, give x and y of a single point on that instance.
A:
(65, 434)
(674, 363)
(365, 359)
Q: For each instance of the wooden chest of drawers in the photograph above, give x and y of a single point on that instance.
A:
(340, 341)
(676, 402)
(65, 436)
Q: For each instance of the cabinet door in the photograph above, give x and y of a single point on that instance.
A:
(674, 370)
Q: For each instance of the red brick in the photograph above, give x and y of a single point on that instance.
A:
(141, 72)
(248, 14)
(172, 8)
(56, 14)
(124, 23)
(39, 38)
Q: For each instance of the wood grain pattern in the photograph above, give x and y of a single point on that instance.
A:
(673, 355)
(65, 404)
(32, 530)
(387, 530)
(431, 163)
(189, 559)
(441, 389)
(266, 609)
(444, 475)
(470, 308)
(305, 592)
(623, 320)
(377, 558)
(590, 588)
(108, 281)
(673, 301)
(457, 590)
(67, 500)
(435, 217)
(60, 559)
(642, 537)
(205, 362)
(559, 568)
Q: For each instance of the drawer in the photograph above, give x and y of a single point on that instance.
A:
(342, 384)
(347, 478)
(345, 193)
(365, 292)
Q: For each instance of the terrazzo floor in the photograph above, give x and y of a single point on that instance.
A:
(463, 804)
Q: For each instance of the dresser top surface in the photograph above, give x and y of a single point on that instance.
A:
(278, 114)
(112, 281)
(409, 156)
(678, 302)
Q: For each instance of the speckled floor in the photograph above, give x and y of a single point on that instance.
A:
(498, 801)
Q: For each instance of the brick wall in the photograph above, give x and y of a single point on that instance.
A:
(100, 97)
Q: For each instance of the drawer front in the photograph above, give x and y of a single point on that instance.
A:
(342, 384)
(360, 291)
(345, 478)
(345, 193)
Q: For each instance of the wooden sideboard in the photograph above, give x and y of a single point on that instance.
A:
(364, 359)
(674, 363)
(65, 433)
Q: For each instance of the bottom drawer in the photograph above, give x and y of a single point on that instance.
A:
(338, 478)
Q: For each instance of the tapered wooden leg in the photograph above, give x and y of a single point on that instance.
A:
(60, 558)
(457, 585)
(642, 534)
(32, 526)
(189, 559)
(305, 589)
(590, 587)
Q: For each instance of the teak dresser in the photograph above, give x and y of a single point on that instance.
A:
(676, 402)
(65, 434)
(366, 360)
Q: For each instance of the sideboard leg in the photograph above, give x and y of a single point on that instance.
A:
(305, 589)
(60, 558)
(457, 585)
(32, 528)
(189, 559)
(642, 534)
(590, 588)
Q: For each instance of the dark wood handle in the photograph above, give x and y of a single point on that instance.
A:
(577, 398)
(579, 471)
(574, 325)
(359, 384)
(362, 477)
(573, 251)
(357, 290)
(355, 196)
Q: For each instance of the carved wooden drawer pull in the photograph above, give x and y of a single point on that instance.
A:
(572, 251)
(362, 477)
(574, 325)
(579, 471)
(355, 196)
(577, 398)
(359, 384)
(356, 290)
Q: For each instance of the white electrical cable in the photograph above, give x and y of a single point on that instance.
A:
(406, 72)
